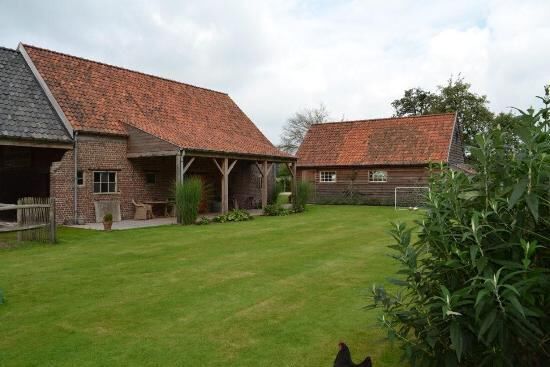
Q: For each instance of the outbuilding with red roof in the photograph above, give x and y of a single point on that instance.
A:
(365, 161)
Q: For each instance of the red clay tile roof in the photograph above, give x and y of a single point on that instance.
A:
(391, 141)
(102, 98)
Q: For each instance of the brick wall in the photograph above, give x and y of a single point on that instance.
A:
(108, 153)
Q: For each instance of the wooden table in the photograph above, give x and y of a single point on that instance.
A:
(164, 203)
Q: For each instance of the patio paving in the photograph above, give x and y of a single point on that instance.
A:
(155, 222)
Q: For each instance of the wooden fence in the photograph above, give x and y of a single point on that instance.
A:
(35, 219)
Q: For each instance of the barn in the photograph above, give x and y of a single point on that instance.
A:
(32, 136)
(365, 161)
(101, 139)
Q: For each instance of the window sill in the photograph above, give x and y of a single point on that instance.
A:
(106, 193)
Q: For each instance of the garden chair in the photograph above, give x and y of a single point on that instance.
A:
(143, 211)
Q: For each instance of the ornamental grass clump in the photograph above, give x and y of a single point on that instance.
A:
(474, 275)
(188, 198)
(303, 194)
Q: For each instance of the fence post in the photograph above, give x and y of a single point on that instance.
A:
(53, 227)
(19, 220)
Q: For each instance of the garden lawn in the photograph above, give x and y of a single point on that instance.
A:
(276, 291)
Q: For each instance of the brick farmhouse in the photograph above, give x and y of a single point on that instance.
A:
(97, 137)
(364, 161)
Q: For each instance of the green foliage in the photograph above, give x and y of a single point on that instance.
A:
(203, 221)
(235, 215)
(108, 217)
(277, 189)
(2, 298)
(303, 194)
(475, 285)
(274, 210)
(188, 198)
(473, 112)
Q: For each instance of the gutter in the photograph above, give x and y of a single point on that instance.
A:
(75, 156)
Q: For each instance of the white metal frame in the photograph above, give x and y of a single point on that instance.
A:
(333, 175)
(406, 187)
(378, 170)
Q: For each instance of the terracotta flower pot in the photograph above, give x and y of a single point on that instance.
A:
(107, 226)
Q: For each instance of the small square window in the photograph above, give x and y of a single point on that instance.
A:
(150, 178)
(105, 182)
(327, 176)
(378, 176)
(80, 178)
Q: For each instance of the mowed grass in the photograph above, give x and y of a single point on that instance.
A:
(276, 291)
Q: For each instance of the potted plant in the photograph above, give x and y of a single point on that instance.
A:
(107, 221)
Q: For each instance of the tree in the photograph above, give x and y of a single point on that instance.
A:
(474, 276)
(415, 101)
(297, 126)
(474, 115)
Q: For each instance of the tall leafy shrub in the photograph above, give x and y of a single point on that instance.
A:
(475, 281)
(303, 194)
(188, 198)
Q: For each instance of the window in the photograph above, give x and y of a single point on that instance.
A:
(80, 178)
(378, 176)
(150, 178)
(327, 176)
(105, 181)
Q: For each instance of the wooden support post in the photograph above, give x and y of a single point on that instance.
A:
(19, 220)
(225, 186)
(179, 176)
(292, 169)
(179, 167)
(225, 170)
(53, 227)
(265, 174)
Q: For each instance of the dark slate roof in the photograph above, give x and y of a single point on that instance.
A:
(25, 112)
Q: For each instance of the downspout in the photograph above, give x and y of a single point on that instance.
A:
(75, 155)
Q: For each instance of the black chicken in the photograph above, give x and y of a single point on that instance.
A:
(343, 358)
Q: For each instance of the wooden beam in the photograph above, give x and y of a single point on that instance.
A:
(179, 167)
(217, 165)
(294, 188)
(25, 206)
(53, 227)
(188, 165)
(231, 166)
(264, 184)
(225, 186)
(198, 153)
(23, 228)
(164, 153)
(269, 169)
(291, 169)
(36, 144)
(259, 167)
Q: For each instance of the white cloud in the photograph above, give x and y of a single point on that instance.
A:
(276, 57)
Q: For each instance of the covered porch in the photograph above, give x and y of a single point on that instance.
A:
(229, 182)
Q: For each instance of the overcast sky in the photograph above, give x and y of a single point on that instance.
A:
(277, 57)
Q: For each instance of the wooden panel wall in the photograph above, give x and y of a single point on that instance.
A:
(141, 142)
(357, 180)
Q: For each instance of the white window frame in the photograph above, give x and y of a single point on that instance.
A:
(373, 172)
(323, 176)
(100, 182)
(83, 178)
